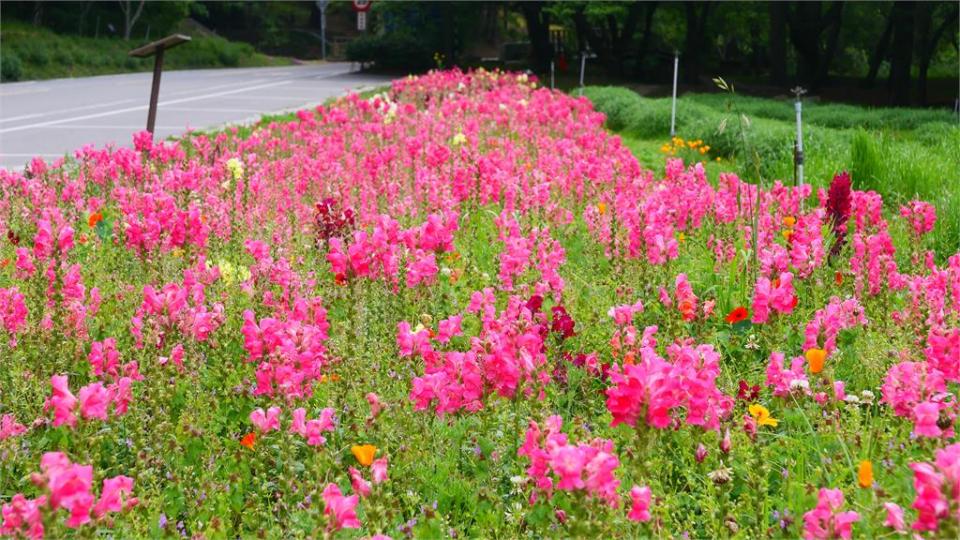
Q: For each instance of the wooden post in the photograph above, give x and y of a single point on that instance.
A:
(673, 106)
(156, 49)
(155, 90)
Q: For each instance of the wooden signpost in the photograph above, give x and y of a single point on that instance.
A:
(156, 49)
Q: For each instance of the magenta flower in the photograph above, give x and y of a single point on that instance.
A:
(826, 520)
(640, 503)
(340, 509)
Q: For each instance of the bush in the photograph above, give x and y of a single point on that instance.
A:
(10, 67)
(391, 52)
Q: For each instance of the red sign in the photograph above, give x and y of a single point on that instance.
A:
(361, 6)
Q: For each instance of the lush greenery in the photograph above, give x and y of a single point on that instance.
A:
(461, 308)
(900, 153)
(31, 52)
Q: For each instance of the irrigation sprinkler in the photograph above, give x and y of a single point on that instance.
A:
(155, 50)
(673, 107)
(798, 144)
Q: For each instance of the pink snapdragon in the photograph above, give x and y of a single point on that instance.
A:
(826, 520)
(777, 296)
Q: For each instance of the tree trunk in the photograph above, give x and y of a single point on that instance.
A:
(928, 46)
(805, 29)
(778, 43)
(651, 8)
(880, 52)
(130, 17)
(539, 31)
(834, 18)
(694, 40)
(902, 56)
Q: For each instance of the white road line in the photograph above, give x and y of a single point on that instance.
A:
(141, 107)
(24, 117)
(215, 87)
(298, 99)
(96, 126)
(7, 154)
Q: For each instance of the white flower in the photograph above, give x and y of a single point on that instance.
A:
(851, 398)
(867, 396)
(799, 384)
(459, 139)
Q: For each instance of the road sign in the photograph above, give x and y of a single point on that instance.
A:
(361, 6)
(361, 20)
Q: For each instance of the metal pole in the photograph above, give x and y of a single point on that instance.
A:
(673, 108)
(551, 76)
(799, 154)
(155, 90)
(583, 66)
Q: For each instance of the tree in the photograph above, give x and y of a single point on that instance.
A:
(902, 56)
(695, 39)
(808, 22)
(778, 43)
(927, 41)
(130, 16)
(538, 29)
(880, 51)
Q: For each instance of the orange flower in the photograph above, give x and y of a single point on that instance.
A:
(787, 234)
(248, 440)
(838, 278)
(629, 359)
(789, 221)
(602, 207)
(4, 263)
(865, 474)
(816, 358)
(738, 314)
(364, 453)
(94, 218)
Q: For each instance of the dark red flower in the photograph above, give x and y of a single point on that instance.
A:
(838, 209)
(746, 392)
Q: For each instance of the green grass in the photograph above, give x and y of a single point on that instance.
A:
(31, 53)
(903, 154)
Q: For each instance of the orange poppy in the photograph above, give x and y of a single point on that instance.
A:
(602, 207)
(816, 358)
(364, 453)
(838, 278)
(94, 218)
(789, 221)
(787, 234)
(865, 474)
(248, 440)
(738, 314)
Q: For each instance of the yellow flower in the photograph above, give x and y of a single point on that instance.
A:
(865, 474)
(602, 207)
(789, 221)
(459, 139)
(235, 166)
(364, 453)
(762, 415)
(681, 237)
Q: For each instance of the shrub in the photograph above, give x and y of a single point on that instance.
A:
(391, 52)
(10, 67)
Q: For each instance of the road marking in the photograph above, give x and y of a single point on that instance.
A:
(8, 154)
(108, 126)
(141, 107)
(24, 117)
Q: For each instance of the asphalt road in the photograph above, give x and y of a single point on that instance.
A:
(52, 118)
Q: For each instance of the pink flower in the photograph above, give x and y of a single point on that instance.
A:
(266, 422)
(313, 430)
(894, 517)
(340, 509)
(115, 496)
(69, 486)
(379, 470)
(640, 504)
(925, 416)
(62, 402)
(94, 401)
(360, 486)
(777, 295)
(22, 516)
(9, 427)
(826, 520)
(375, 404)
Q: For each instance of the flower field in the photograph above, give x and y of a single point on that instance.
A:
(460, 308)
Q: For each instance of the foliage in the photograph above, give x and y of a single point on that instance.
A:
(45, 55)
(391, 52)
(462, 308)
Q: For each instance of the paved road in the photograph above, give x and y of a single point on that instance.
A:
(53, 118)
